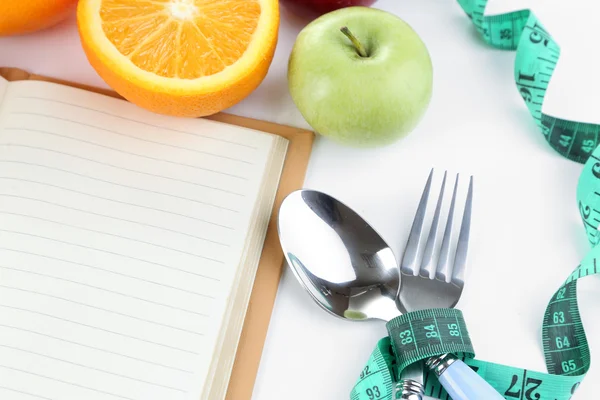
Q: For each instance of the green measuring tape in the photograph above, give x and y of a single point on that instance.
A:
(417, 336)
(412, 337)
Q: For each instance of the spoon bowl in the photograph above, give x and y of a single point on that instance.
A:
(339, 259)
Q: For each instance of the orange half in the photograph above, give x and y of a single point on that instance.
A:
(180, 57)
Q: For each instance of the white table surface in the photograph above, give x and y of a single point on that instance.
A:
(527, 234)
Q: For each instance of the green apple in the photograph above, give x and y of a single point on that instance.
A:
(361, 76)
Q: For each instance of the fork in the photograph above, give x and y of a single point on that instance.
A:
(431, 284)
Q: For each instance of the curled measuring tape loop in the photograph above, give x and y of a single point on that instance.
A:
(564, 342)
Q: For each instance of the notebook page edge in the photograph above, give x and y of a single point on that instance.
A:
(223, 363)
(4, 83)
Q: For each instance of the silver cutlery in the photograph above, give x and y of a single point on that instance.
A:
(341, 261)
(438, 282)
(351, 272)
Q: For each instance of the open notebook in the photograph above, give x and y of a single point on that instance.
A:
(129, 242)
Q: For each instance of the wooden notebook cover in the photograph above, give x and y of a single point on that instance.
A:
(270, 266)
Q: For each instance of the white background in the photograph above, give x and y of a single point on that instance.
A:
(527, 235)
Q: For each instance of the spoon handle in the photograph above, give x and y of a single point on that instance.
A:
(460, 381)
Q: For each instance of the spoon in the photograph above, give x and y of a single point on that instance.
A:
(341, 261)
(344, 264)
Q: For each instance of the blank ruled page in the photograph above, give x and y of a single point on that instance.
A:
(121, 232)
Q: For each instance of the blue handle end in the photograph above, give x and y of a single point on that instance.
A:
(462, 383)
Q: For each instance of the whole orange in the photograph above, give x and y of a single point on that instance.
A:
(26, 16)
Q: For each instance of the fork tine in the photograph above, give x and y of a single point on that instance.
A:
(443, 266)
(460, 259)
(409, 263)
(428, 263)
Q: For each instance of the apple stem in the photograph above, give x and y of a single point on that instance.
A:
(357, 44)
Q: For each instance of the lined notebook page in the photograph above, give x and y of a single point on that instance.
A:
(120, 235)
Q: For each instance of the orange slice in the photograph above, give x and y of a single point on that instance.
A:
(180, 57)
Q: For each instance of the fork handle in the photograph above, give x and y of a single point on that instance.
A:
(460, 381)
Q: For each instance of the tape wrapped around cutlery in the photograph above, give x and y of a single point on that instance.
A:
(564, 342)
